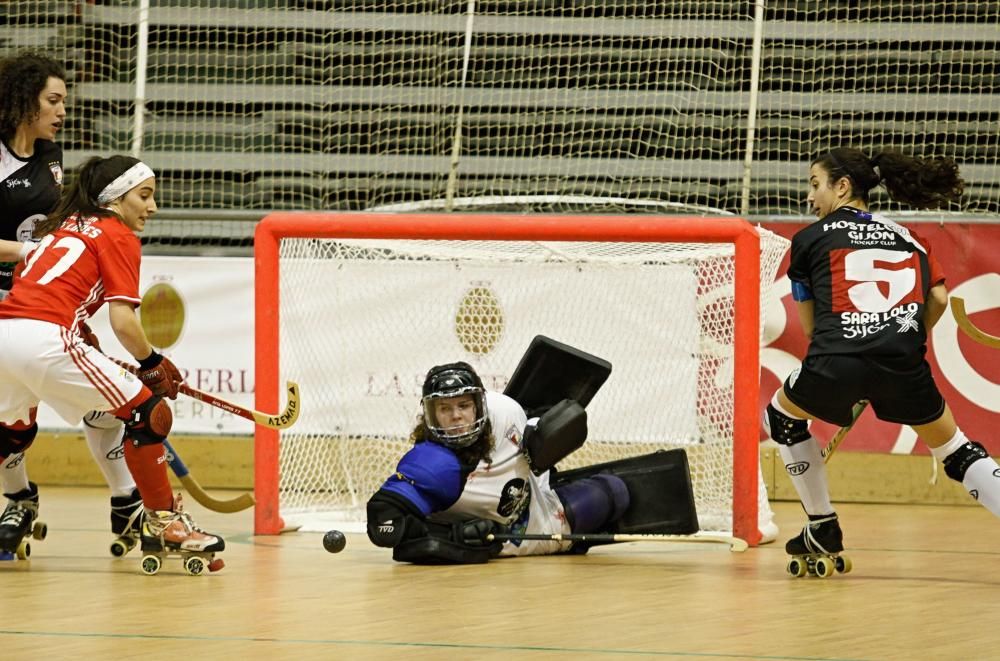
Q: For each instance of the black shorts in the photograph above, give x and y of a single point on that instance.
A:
(828, 386)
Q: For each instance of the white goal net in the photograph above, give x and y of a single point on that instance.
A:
(361, 322)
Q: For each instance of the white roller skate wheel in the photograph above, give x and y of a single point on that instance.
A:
(23, 550)
(796, 568)
(119, 548)
(150, 564)
(194, 565)
(39, 530)
(824, 567)
(844, 564)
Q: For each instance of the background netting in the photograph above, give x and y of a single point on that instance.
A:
(343, 105)
(360, 344)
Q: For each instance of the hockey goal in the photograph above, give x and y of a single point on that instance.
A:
(357, 307)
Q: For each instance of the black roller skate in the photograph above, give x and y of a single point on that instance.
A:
(126, 522)
(816, 550)
(173, 532)
(20, 519)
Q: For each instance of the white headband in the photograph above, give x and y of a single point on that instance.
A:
(125, 182)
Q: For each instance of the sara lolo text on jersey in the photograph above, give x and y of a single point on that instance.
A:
(862, 324)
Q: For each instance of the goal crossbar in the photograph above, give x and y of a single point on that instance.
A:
(275, 227)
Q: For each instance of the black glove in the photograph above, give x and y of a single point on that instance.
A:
(476, 533)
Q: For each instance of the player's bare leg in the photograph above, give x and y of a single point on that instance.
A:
(19, 519)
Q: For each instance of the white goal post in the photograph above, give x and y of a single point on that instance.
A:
(356, 307)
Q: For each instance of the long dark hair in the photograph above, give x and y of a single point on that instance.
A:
(80, 197)
(22, 79)
(922, 183)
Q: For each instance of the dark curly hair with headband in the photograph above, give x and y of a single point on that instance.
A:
(22, 79)
(81, 196)
(922, 183)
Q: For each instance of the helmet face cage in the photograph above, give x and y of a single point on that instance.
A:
(449, 382)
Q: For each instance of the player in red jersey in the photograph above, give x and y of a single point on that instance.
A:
(33, 94)
(89, 255)
(868, 291)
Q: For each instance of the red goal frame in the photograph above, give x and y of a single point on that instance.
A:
(510, 227)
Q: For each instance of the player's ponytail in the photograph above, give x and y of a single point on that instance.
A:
(81, 197)
(922, 183)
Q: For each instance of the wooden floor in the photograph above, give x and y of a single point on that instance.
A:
(925, 585)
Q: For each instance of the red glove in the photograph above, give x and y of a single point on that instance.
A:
(88, 335)
(160, 375)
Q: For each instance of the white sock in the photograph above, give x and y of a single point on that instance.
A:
(104, 434)
(14, 474)
(805, 466)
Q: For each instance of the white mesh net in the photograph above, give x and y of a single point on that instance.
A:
(362, 321)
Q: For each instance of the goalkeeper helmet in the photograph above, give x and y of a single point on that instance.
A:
(461, 421)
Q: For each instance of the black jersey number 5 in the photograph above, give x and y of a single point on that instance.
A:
(873, 279)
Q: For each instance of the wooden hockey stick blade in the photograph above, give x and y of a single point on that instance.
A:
(238, 504)
(963, 321)
(282, 420)
(736, 544)
(841, 434)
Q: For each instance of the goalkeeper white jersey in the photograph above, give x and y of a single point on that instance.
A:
(505, 490)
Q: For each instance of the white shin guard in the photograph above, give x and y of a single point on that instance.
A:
(805, 466)
(14, 474)
(104, 438)
(982, 481)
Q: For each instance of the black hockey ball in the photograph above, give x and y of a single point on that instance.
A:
(334, 541)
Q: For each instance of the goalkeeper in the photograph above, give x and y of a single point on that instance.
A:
(469, 474)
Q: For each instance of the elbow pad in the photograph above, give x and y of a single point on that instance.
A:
(392, 519)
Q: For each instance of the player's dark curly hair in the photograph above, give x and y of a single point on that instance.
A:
(923, 183)
(470, 455)
(22, 78)
(80, 197)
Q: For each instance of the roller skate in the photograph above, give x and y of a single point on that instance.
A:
(173, 532)
(19, 520)
(816, 550)
(126, 522)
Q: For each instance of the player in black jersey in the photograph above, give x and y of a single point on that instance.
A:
(868, 290)
(32, 111)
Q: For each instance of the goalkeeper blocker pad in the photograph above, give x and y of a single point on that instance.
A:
(660, 493)
(559, 432)
(550, 371)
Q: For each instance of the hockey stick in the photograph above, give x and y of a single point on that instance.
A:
(735, 543)
(838, 438)
(238, 504)
(963, 321)
(282, 420)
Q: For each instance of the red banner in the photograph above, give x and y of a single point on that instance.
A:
(967, 373)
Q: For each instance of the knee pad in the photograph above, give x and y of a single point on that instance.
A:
(13, 440)
(958, 462)
(785, 430)
(150, 422)
(617, 492)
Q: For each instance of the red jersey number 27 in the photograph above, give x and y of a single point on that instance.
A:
(73, 246)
